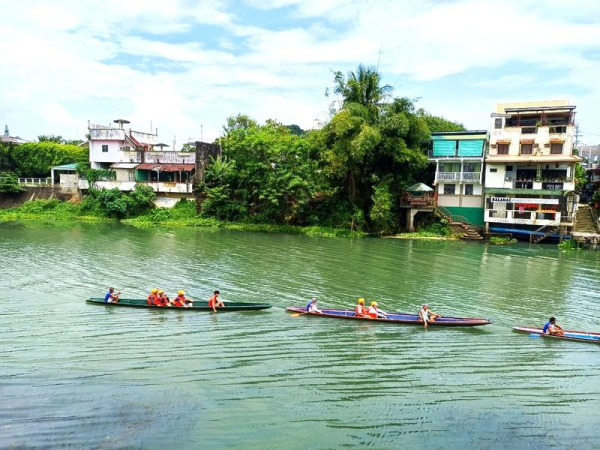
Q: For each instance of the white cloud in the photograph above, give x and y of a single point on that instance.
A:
(59, 59)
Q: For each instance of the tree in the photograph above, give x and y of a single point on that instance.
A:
(35, 159)
(51, 138)
(362, 87)
(295, 129)
(93, 175)
(9, 183)
(439, 124)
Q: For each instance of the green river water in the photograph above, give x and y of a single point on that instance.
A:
(75, 375)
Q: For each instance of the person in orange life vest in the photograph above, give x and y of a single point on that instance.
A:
(360, 310)
(180, 301)
(375, 312)
(161, 299)
(151, 297)
(214, 301)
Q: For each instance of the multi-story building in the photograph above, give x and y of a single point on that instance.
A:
(138, 157)
(530, 167)
(458, 157)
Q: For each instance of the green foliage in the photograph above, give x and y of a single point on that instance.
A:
(580, 177)
(118, 205)
(188, 148)
(35, 159)
(382, 210)
(439, 124)
(9, 183)
(93, 175)
(437, 229)
(502, 240)
(569, 245)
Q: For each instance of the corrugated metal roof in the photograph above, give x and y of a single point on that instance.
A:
(66, 167)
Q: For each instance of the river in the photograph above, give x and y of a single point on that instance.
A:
(75, 375)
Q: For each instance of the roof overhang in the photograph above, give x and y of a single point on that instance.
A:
(532, 159)
(123, 165)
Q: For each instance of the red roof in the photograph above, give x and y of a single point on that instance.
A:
(167, 167)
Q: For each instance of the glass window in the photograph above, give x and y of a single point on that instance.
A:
(498, 123)
(556, 149)
(449, 189)
(526, 149)
(469, 167)
(104, 147)
(468, 189)
(503, 149)
(493, 170)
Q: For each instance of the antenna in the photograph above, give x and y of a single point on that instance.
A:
(201, 140)
(379, 57)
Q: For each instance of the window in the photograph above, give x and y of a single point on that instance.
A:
(503, 149)
(497, 124)
(556, 149)
(104, 147)
(469, 167)
(449, 189)
(494, 170)
(509, 168)
(526, 149)
(468, 189)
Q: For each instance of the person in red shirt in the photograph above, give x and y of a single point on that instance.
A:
(214, 301)
(161, 299)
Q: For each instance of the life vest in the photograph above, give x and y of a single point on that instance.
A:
(150, 299)
(159, 301)
(360, 310)
(179, 301)
(373, 312)
(212, 301)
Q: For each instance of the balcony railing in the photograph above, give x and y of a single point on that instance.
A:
(456, 176)
(35, 181)
(115, 134)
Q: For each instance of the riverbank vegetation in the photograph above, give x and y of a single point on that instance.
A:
(345, 177)
(502, 240)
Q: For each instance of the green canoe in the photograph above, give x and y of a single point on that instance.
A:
(198, 306)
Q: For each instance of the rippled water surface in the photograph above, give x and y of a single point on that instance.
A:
(74, 375)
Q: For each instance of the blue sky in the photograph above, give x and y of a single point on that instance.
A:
(184, 66)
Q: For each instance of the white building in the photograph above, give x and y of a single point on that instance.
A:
(530, 167)
(137, 157)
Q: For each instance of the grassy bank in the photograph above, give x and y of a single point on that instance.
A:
(183, 215)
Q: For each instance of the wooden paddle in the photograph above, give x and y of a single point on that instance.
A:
(298, 314)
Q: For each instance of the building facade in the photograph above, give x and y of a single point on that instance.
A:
(459, 161)
(530, 167)
(139, 158)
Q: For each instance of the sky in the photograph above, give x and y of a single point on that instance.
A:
(183, 67)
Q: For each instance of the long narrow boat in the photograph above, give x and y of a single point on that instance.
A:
(395, 317)
(198, 306)
(569, 335)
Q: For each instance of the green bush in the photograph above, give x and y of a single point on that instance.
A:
(502, 240)
(9, 183)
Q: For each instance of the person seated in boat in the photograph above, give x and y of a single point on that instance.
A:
(552, 328)
(180, 301)
(311, 307)
(112, 296)
(375, 312)
(214, 301)
(360, 310)
(161, 299)
(426, 315)
(152, 297)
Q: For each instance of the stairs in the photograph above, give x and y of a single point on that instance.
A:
(547, 231)
(585, 222)
(469, 233)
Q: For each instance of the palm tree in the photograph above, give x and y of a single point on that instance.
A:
(362, 86)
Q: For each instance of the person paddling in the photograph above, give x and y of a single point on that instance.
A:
(359, 309)
(111, 296)
(214, 301)
(427, 315)
(311, 307)
(552, 328)
(180, 301)
(375, 312)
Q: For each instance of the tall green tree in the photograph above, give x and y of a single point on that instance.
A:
(35, 159)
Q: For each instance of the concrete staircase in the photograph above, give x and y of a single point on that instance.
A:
(585, 221)
(469, 233)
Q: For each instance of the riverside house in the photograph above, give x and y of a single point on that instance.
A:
(458, 157)
(529, 175)
(138, 157)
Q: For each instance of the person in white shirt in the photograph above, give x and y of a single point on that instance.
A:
(427, 315)
(375, 312)
(312, 306)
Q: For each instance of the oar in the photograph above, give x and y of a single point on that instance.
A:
(298, 314)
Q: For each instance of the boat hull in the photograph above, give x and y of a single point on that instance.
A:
(570, 335)
(198, 306)
(396, 317)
